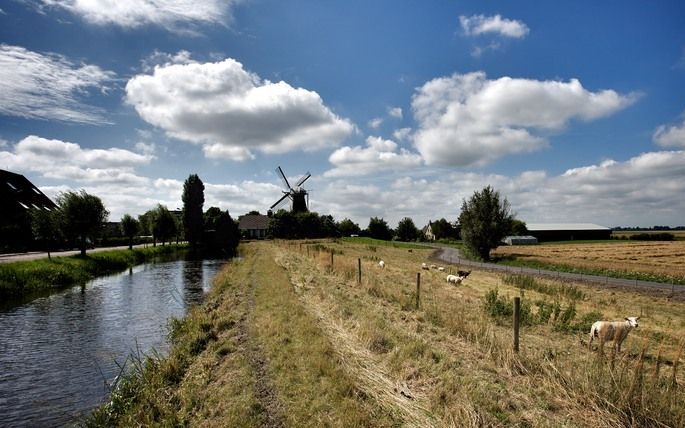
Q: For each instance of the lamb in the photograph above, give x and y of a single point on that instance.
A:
(381, 264)
(463, 273)
(441, 269)
(424, 266)
(615, 331)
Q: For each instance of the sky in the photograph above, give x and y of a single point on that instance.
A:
(573, 110)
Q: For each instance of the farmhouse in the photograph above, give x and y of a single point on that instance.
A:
(253, 226)
(567, 231)
(427, 232)
(18, 196)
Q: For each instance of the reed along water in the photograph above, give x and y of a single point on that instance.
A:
(60, 353)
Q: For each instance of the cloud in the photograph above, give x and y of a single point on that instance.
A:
(395, 112)
(375, 123)
(610, 193)
(402, 134)
(68, 161)
(480, 24)
(670, 136)
(232, 112)
(467, 119)
(49, 86)
(379, 155)
(174, 15)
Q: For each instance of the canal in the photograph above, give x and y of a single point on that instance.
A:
(60, 353)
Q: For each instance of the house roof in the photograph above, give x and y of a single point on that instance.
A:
(17, 189)
(534, 227)
(253, 221)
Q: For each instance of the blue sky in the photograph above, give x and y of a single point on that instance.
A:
(574, 111)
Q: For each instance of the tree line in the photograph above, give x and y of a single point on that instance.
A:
(80, 217)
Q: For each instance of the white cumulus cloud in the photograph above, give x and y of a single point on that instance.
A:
(68, 161)
(670, 136)
(480, 24)
(232, 112)
(49, 86)
(170, 14)
(379, 155)
(467, 119)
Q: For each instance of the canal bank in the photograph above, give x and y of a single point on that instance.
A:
(61, 353)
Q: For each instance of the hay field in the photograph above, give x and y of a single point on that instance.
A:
(659, 258)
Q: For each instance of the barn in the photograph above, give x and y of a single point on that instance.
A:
(520, 240)
(568, 231)
(253, 226)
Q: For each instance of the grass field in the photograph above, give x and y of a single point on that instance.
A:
(663, 259)
(288, 339)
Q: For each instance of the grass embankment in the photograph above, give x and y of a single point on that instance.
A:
(286, 339)
(25, 277)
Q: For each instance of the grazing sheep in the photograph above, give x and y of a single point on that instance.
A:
(424, 266)
(615, 331)
(433, 267)
(441, 269)
(457, 279)
(381, 264)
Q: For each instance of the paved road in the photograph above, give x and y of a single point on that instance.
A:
(453, 256)
(17, 257)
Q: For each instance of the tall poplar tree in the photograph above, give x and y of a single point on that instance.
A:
(193, 199)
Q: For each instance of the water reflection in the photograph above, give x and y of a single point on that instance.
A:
(58, 353)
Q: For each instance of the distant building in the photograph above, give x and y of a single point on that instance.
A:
(427, 232)
(253, 226)
(520, 240)
(17, 197)
(568, 231)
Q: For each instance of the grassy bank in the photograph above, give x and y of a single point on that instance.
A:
(25, 277)
(290, 337)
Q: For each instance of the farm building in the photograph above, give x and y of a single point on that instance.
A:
(567, 231)
(18, 196)
(520, 240)
(427, 232)
(253, 226)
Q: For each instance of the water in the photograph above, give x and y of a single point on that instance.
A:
(58, 354)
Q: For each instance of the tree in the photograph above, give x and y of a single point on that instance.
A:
(443, 229)
(406, 230)
(221, 232)
(519, 228)
(485, 220)
(347, 227)
(193, 199)
(45, 227)
(83, 216)
(129, 228)
(145, 223)
(379, 229)
(164, 225)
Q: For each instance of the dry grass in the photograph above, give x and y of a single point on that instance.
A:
(337, 352)
(660, 258)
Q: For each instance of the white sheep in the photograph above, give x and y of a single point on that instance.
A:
(615, 331)
(454, 279)
(381, 264)
(457, 279)
(424, 266)
(441, 269)
(433, 267)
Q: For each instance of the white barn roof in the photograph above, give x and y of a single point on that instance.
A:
(564, 226)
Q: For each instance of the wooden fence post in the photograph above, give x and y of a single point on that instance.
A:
(418, 289)
(331, 259)
(359, 266)
(517, 319)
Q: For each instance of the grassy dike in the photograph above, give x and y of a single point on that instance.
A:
(25, 277)
(251, 355)
(289, 336)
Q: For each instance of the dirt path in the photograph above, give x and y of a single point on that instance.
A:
(264, 391)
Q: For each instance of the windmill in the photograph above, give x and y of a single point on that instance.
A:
(299, 197)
